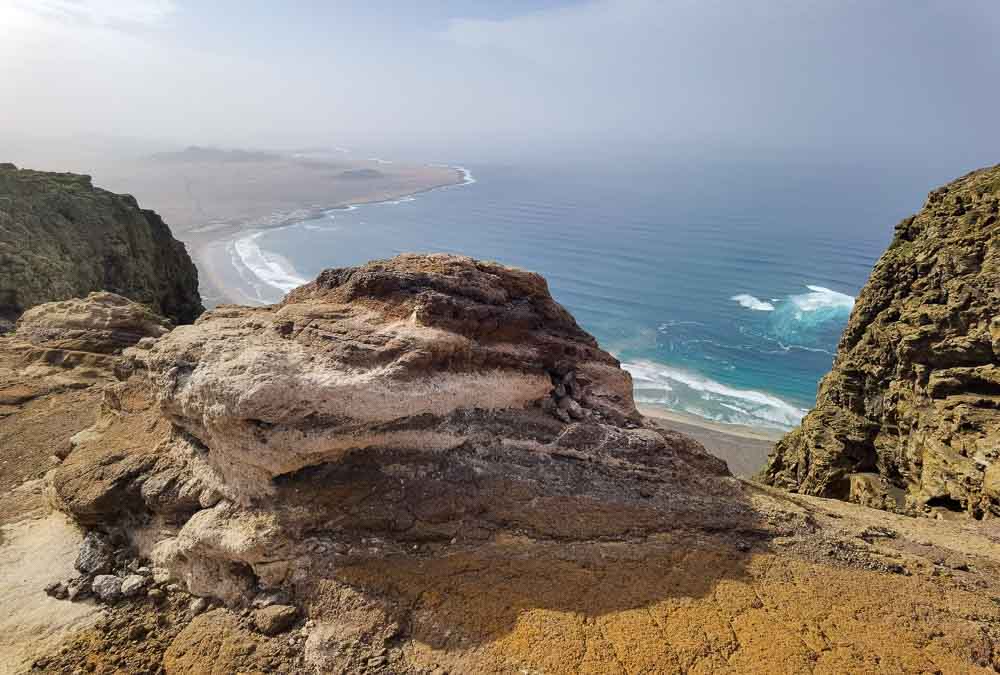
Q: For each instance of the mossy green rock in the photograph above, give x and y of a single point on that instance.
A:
(60, 237)
(908, 419)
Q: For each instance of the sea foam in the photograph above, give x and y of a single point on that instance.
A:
(271, 268)
(696, 394)
(751, 302)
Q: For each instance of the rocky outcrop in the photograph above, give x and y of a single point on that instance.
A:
(424, 465)
(909, 417)
(102, 323)
(416, 400)
(60, 238)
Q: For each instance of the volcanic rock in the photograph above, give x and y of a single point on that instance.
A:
(908, 419)
(96, 554)
(107, 587)
(60, 238)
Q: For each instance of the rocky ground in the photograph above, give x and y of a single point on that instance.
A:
(424, 465)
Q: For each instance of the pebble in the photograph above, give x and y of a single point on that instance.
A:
(197, 606)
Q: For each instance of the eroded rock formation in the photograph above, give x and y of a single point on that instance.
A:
(419, 466)
(417, 401)
(61, 238)
(909, 417)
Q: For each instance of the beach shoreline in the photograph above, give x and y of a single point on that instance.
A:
(743, 448)
(203, 241)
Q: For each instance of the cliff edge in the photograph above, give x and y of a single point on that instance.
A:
(61, 238)
(908, 419)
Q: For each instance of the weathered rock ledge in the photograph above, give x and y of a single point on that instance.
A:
(908, 419)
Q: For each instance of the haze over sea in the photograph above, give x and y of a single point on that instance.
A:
(722, 286)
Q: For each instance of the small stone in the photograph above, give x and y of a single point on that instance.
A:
(107, 587)
(376, 661)
(77, 589)
(571, 407)
(137, 633)
(562, 415)
(559, 391)
(50, 589)
(275, 619)
(96, 555)
(132, 584)
(268, 598)
(197, 606)
(154, 594)
(173, 588)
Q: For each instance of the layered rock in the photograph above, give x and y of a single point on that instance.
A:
(909, 416)
(60, 238)
(409, 407)
(101, 323)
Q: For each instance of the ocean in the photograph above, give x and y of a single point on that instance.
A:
(722, 287)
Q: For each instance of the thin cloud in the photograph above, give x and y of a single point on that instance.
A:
(108, 13)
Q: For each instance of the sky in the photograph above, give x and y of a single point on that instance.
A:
(918, 78)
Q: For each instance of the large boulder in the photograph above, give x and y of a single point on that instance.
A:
(101, 323)
(417, 402)
(909, 416)
(60, 238)
(413, 353)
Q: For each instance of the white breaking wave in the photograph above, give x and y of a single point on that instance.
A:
(467, 177)
(751, 302)
(271, 268)
(822, 299)
(692, 393)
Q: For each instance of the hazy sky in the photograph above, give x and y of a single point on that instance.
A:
(921, 76)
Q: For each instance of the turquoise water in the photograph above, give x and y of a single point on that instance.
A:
(722, 288)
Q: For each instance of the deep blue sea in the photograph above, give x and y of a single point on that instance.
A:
(722, 287)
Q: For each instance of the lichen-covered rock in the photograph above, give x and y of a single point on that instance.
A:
(102, 323)
(60, 238)
(909, 416)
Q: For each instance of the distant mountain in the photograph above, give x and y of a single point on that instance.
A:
(195, 153)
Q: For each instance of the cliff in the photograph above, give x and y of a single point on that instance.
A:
(908, 418)
(60, 238)
(424, 465)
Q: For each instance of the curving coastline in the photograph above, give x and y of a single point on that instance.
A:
(235, 269)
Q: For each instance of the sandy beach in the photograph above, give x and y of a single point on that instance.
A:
(209, 204)
(743, 448)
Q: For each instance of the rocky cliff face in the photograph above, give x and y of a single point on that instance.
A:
(909, 417)
(60, 238)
